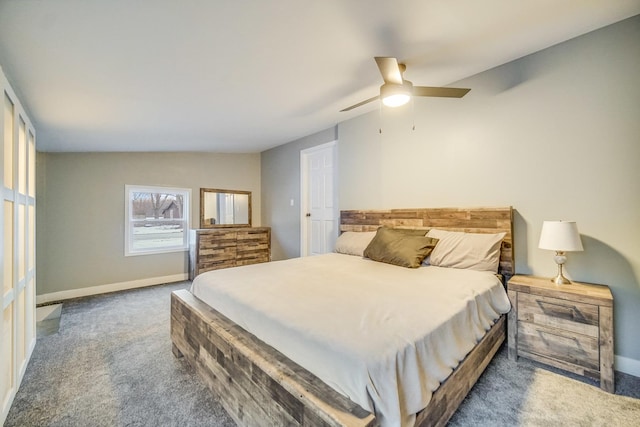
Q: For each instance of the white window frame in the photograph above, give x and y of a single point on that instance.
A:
(130, 221)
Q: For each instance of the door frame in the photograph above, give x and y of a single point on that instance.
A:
(304, 193)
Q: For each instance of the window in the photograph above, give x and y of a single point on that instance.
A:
(157, 219)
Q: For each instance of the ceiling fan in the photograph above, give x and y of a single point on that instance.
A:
(397, 91)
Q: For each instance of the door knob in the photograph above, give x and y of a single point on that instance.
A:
(308, 215)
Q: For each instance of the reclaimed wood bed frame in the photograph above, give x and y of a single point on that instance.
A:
(259, 386)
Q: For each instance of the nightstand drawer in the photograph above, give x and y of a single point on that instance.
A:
(557, 344)
(557, 313)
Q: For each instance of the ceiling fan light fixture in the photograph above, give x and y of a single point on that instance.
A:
(396, 100)
(395, 95)
(397, 91)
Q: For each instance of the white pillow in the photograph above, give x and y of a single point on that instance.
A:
(475, 251)
(354, 242)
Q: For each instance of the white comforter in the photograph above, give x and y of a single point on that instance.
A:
(384, 336)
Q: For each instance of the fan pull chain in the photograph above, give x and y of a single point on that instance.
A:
(413, 114)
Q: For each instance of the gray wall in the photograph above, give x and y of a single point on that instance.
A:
(281, 184)
(554, 134)
(81, 208)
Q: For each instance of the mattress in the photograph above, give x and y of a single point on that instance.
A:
(382, 335)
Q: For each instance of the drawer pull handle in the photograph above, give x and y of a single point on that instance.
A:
(541, 332)
(579, 348)
(575, 312)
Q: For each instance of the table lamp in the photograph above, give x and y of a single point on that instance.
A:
(560, 236)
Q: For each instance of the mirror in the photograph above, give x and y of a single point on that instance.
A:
(224, 208)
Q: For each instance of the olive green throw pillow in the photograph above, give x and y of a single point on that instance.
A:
(406, 248)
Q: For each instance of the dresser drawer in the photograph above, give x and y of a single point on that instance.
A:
(252, 251)
(258, 236)
(252, 260)
(217, 254)
(557, 344)
(217, 240)
(557, 313)
(215, 264)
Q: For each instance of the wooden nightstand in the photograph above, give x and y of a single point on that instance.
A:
(566, 326)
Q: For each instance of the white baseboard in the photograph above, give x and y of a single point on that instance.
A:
(112, 287)
(627, 365)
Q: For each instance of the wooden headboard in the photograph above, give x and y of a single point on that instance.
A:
(470, 220)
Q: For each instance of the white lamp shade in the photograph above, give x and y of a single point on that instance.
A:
(560, 236)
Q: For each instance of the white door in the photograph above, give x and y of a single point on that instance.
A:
(319, 206)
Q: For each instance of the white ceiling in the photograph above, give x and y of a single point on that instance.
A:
(245, 76)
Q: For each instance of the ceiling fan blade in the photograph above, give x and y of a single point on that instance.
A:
(366, 101)
(443, 92)
(389, 69)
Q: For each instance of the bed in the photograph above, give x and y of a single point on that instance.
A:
(259, 385)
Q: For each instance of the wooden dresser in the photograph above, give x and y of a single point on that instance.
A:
(566, 326)
(211, 249)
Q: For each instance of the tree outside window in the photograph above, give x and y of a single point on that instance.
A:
(157, 219)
